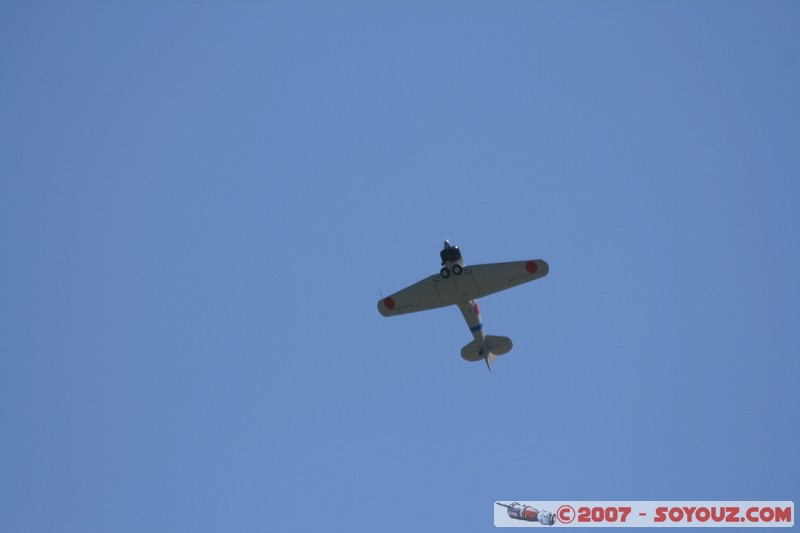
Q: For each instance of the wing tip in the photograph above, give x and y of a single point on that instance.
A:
(537, 267)
(386, 306)
(544, 268)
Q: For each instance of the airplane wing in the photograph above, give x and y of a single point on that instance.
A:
(476, 281)
(417, 297)
(495, 277)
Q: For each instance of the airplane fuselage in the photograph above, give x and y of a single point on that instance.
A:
(452, 263)
(450, 278)
(472, 314)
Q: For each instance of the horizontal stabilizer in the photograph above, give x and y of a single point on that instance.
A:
(498, 345)
(495, 344)
(471, 352)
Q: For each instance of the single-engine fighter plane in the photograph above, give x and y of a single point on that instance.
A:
(460, 285)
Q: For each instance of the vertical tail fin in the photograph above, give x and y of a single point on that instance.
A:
(489, 358)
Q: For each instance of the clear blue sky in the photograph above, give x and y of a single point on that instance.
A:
(200, 202)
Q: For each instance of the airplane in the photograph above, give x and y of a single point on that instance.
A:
(460, 285)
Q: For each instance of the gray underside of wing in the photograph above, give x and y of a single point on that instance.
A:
(475, 282)
(430, 293)
(495, 277)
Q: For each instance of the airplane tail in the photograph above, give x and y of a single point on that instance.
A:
(493, 345)
(489, 359)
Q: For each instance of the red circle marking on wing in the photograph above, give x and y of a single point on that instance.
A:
(389, 303)
(531, 267)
